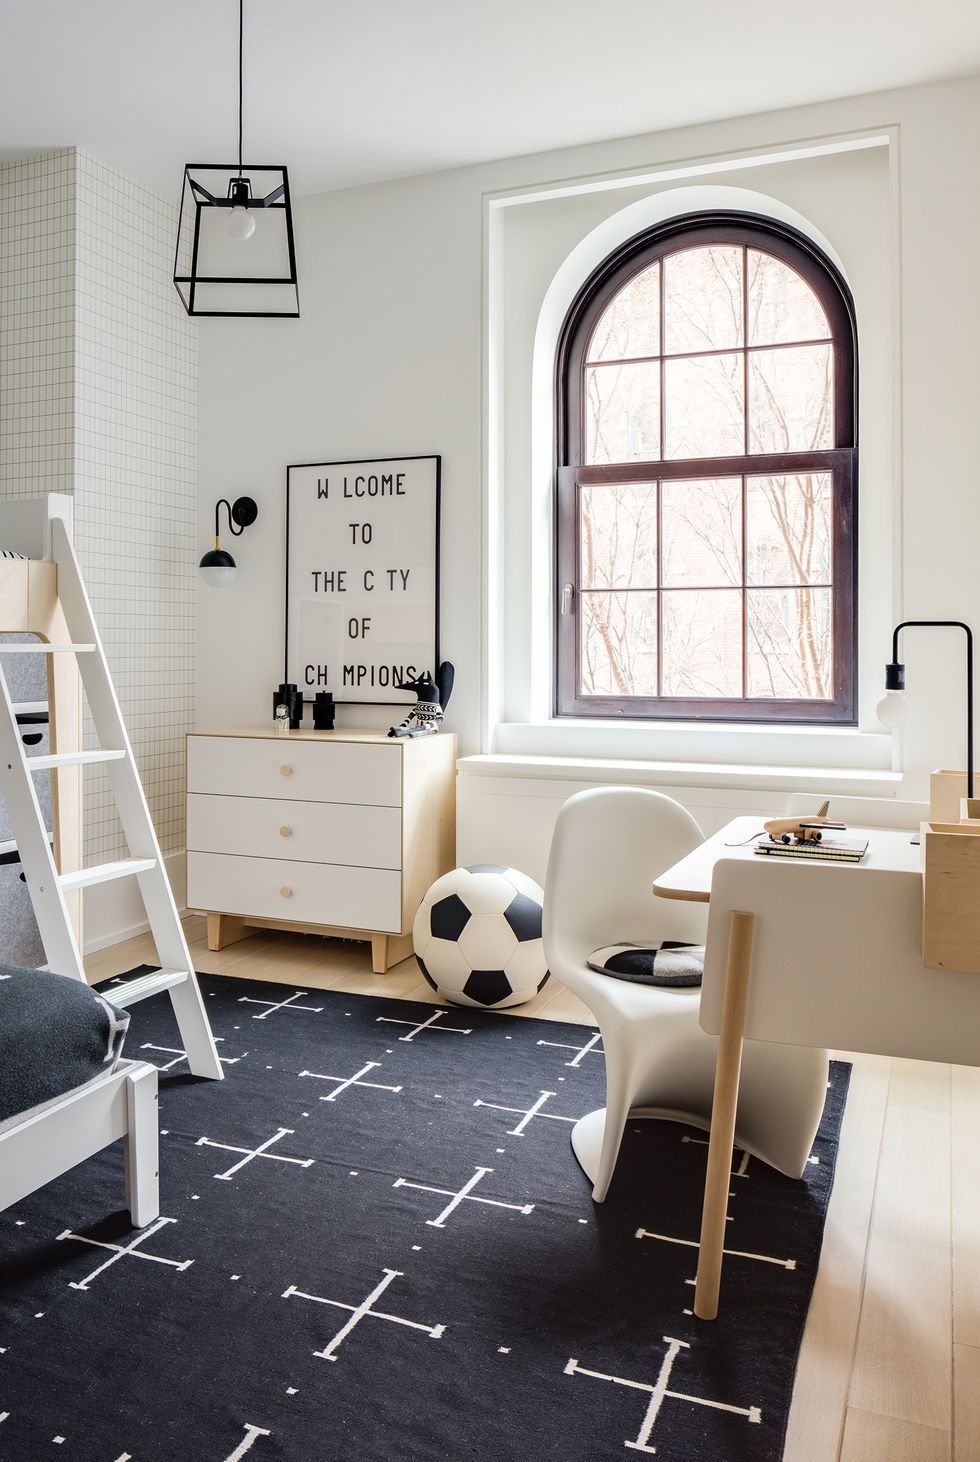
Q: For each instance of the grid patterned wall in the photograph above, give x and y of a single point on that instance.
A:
(136, 483)
(98, 397)
(37, 324)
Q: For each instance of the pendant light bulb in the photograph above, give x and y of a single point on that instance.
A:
(240, 224)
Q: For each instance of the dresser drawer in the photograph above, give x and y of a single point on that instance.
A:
(305, 893)
(305, 832)
(242, 766)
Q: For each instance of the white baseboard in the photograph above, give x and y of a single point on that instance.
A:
(113, 912)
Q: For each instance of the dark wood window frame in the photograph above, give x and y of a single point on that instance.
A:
(801, 254)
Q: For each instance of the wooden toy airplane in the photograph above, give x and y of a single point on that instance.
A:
(802, 830)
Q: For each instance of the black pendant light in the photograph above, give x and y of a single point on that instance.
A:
(235, 250)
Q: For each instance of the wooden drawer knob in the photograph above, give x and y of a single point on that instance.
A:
(285, 832)
(287, 893)
(285, 771)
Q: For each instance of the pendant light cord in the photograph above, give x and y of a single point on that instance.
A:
(241, 77)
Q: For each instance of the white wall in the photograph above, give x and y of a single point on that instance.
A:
(37, 324)
(390, 357)
(385, 361)
(135, 485)
(98, 399)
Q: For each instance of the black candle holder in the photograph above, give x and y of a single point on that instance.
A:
(324, 711)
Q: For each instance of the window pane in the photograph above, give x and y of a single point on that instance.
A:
(702, 532)
(630, 324)
(790, 399)
(702, 642)
(789, 643)
(703, 299)
(622, 413)
(787, 529)
(619, 536)
(705, 406)
(782, 306)
(619, 644)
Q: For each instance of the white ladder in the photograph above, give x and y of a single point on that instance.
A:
(46, 886)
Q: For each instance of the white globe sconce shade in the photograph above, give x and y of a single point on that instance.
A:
(217, 568)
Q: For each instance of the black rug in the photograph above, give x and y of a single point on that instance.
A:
(376, 1245)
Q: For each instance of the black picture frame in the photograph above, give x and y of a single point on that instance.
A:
(436, 459)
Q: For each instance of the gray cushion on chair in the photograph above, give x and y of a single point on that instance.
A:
(669, 963)
(55, 1034)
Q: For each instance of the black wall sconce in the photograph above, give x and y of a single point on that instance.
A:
(217, 566)
(894, 710)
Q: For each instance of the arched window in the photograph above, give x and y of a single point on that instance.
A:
(706, 524)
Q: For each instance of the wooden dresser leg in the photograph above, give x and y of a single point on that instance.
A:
(727, 1072)
(224, 929)
(388, 950)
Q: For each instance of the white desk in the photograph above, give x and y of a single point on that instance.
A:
(836, 964)
(690, 879)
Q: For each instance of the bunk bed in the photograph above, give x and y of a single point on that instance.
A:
(44, 604)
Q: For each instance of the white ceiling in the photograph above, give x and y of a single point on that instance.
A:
(357, 91)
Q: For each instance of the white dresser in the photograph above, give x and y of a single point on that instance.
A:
(326, 832)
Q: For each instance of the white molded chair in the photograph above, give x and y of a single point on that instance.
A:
(609, 845)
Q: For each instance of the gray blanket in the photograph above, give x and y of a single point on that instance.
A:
(55, 1034)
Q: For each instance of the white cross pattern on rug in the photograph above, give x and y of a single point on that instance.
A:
(592, 1044)
(180, 1055)
(250, 1153)
(125, 1251)
(280, 1005)
(361, 1312)
(643, 1233)
(430, 1024)
(252, 1433)
(659, 1393)
(527, 1114)
(741, 1168)
(348, 1081)
(464, 1195)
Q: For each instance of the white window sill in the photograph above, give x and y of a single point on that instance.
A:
(695, 744)
(823, 780)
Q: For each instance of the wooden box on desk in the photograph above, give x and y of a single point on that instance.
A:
(951, 895)
(945, 790)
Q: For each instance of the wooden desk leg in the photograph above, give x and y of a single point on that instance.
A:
(727, 1072)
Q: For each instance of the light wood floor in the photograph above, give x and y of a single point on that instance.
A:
(890, 1367)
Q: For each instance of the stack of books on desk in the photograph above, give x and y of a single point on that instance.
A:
(831, 850)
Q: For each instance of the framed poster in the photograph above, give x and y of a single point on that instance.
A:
(362, 576)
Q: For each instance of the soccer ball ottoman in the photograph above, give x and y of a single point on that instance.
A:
(477, 936)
